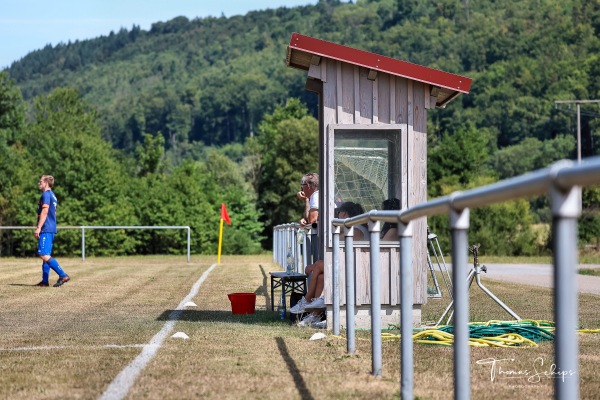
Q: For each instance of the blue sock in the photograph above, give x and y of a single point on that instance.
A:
(45, 272)
(56, 267)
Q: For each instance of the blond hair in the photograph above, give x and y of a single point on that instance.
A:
(49, 179)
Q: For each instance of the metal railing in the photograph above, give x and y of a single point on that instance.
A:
(562, 181)
(298, 241)
(83, 228)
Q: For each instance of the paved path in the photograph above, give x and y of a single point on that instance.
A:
(538, 275)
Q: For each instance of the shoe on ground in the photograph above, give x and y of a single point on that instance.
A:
(317, 303)
(319, 324)
(62, 281)
(299, 307)
(309, 320)
(43, 284)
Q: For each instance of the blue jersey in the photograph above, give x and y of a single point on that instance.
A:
(48, 198)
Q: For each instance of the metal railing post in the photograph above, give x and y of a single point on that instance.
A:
(459, 225)
(82, 243)
(189, 240)
(374, 229)
(566, 208)
(298, 249)
(304, 251)
(350, 295)
(335, 276)
(280, 244)
(289, 245)
(275, 234)
(405, 231)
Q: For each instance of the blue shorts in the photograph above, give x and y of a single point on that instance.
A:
(45, 243)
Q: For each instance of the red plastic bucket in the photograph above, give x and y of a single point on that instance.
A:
(242, 303)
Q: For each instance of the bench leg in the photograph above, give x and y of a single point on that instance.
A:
(272, 298)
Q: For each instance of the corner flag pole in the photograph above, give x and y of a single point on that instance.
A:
(220, 242)
(224, 217)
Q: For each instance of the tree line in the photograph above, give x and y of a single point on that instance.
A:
(212, 80)
(99, 185)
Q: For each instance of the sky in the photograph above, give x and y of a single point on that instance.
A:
(28, 25)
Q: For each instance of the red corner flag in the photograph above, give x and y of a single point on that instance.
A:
(224, 215)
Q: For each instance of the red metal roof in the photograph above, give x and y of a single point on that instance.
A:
(318, 47)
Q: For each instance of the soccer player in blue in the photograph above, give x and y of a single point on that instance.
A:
(45, 231)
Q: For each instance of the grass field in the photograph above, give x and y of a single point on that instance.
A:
(72, 342)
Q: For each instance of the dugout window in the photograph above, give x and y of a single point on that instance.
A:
(364, 166)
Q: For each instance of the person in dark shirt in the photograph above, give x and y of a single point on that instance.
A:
(45, 231)
(349, 210)
(389, 230)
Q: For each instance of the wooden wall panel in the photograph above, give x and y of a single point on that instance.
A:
(375, 99)
(329, 117)
(401, 91)
(383, 98)
(363, 289)
(329, 105)
(342, 276)
(384, 275)
(366, 97)
(338, 91)
(421, 96)
(410, 149)
(347, 93)
(357, 106)
(329, 114)
(392, 99)
(401, 113)
(394, 276)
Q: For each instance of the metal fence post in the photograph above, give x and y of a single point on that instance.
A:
(350, 295)
(83, 243)
(566, 208)
(335, 276)
(189, 240)
(298, 250)
(275, 236)
(374, 229)
(289, 245)
(304, 250)
(405, 231)
(280, 245)
(459, 224)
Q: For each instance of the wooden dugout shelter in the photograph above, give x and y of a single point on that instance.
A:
(372, 146)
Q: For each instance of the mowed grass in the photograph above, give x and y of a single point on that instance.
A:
(71, 342)
(589, 271)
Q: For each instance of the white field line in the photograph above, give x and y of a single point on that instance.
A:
(120, 386)
(106, 346)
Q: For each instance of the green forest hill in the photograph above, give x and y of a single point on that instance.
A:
(210, 103)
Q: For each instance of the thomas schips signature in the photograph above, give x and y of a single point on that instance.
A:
(498, 370)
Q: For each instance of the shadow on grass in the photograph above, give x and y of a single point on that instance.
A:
(20, 284)
(294, 371)
(259, 317)
(263, 289)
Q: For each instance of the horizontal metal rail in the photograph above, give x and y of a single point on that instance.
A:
(84, 227)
